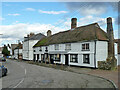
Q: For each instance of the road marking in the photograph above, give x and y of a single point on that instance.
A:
(22, 78)
(19, 83)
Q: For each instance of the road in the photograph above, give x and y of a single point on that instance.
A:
(23, 75)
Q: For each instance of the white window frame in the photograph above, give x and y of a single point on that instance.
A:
(86, 48)
(56, 46)
(68, 46)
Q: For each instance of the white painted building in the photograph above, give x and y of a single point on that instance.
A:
(17, 52)
(79, 46)
(13, 46)
(28, 44)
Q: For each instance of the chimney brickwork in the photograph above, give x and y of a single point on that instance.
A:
(111, 56)
(73, 23)
(110, 36)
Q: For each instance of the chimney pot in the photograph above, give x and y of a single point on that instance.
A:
(73, 23)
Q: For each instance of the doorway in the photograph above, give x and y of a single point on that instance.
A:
(66, 59)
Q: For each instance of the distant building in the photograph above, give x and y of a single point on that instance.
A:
(18, 51)
(13, 46)
(28, 44)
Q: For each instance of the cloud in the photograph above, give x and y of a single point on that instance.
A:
(18, 31)
(52, 12)
(30, 9)
(16, 14)
(91, 8)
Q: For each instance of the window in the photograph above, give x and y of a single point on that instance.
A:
(42, 56)
(86, 58)
(40, 49)
(68, 47)
(74, 58)
(33, 50)
(85, 46)
(57, 57)
(56, 47)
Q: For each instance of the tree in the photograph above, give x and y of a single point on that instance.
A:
(5, 51)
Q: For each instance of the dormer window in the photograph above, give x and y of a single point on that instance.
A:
(56, 47)
(85, 47)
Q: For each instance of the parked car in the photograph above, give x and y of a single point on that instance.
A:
(2, 59)
(3, 71)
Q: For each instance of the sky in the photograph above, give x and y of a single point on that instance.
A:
(20, 18)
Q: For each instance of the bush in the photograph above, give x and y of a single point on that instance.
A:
(104, 65)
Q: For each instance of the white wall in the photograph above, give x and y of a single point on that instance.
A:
(101, 51)
(116, 52)
(76, 48)
(16, 53)
(28, 49)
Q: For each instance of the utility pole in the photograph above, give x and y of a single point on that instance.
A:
(18, 48)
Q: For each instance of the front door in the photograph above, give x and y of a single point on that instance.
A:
(51, 59)
(66, 59)
(37, 57)
(34, 58)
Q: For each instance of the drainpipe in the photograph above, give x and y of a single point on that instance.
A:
(95, 55)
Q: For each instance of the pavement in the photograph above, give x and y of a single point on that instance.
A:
(24, 75)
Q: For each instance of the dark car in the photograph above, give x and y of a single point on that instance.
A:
(2, 59)
(3, 71)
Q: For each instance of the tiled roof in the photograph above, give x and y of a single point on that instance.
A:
(35, 37)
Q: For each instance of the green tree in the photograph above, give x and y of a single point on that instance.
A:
(5, 51)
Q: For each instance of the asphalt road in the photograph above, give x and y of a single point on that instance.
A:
(23, 75)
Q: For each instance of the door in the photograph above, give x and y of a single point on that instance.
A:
(34, 57)
(37, 57)
(66, 59)
(52, 59)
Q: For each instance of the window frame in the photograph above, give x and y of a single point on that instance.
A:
(68, 47)
(86, 47)
(54, 57)
(88, 61)
(56, 46)
(71, 58)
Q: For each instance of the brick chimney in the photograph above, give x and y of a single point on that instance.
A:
(49, 33)
(31, 34)
(110, 36)
(111, 56)
(73, 23)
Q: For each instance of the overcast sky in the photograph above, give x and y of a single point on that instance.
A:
(20, 18)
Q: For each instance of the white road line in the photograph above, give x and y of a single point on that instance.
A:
(22, 78)
(19, 83)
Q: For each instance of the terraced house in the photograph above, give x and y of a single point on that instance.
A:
(28, 44)
(79, 46)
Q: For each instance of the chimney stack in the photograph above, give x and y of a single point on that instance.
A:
(49, 33)
(111, 55)
(110, 36)
(73, 23)
(31, 34)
